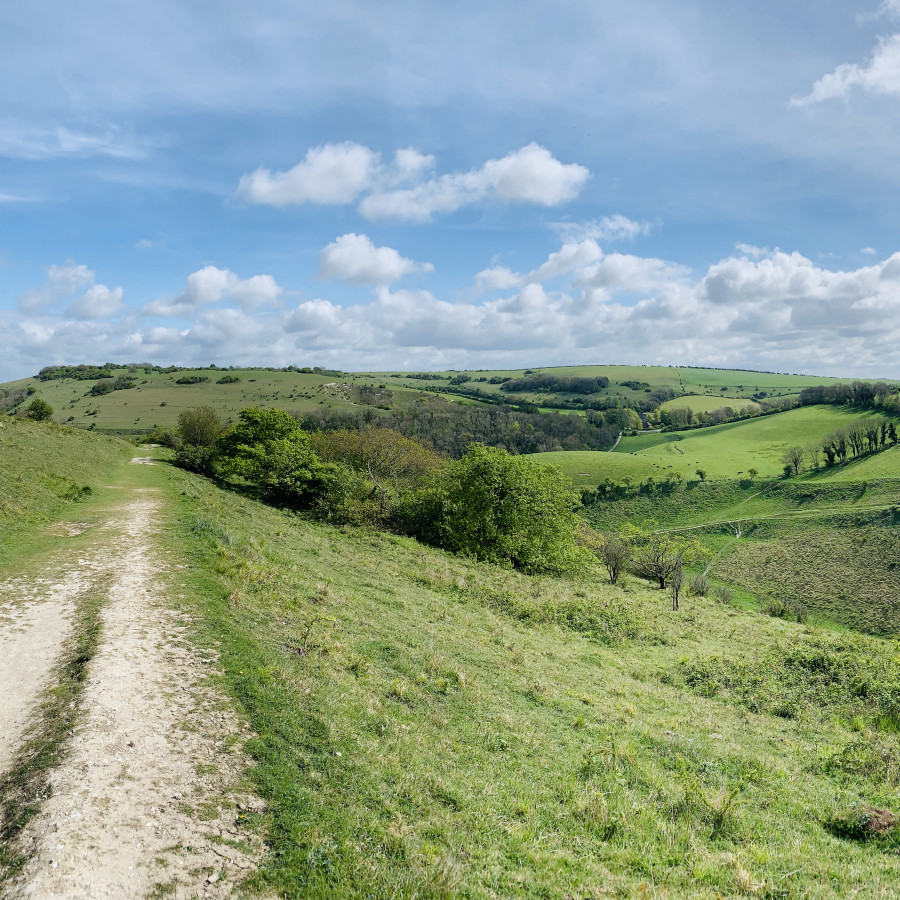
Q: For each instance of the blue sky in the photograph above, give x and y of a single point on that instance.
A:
(415, 185)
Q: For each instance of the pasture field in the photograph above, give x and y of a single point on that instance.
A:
(705, 402)
(157, 398)
(727, 451)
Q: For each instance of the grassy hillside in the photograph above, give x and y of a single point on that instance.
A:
(722, 451)
(829, 543)
(45, 467)
(429, 727)
(157, 398)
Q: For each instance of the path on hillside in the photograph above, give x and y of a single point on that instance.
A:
(148, 794)
(616, 444)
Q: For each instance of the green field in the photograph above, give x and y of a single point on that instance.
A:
(705, 402)
(722, 451)
(157, 399)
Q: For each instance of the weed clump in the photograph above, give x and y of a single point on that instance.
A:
(863, 824)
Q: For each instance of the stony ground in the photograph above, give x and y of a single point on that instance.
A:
(150, 793)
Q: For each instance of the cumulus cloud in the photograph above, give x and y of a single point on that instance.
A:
(881, 75)
(354, 258)
(529, 175)
(590, 268)
(869, 251)
(406, 189)
(761, 309)
(61, 282)
(98, 302)
(211, 285)
(332, 174)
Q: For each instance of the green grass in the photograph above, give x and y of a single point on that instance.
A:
(157, 398)
(430, 727)
(722, 451)
(45, 468)
(705, 402)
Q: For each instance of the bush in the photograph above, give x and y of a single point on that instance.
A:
(698, 586)
(199, 426)
(201, 460)
(501, 508)
(724, 595)
(39, 410)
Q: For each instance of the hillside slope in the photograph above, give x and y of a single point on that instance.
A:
(430, 727)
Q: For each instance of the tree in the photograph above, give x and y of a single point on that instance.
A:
(242, 447)
(814, 455)
(675, 583)
(793, 460)
(501, 508)
(752, 473)
(701, 474)
(892, 433)
(658, 555)
(609, 548)
(199, 426)
(39, 410)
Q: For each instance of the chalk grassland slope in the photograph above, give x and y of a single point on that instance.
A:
(429, 727)
(44, 467)
(157, 398)
(634, 382)
(830, 544)
(722, 451)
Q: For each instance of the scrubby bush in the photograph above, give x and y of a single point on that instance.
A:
(698, 586)
(39, 410)
(501, 508)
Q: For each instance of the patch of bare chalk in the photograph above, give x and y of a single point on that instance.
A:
(33, 628)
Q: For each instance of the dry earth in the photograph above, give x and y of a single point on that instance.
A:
(150, 797)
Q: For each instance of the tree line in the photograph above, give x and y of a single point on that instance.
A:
(859, 439)
(449, 428)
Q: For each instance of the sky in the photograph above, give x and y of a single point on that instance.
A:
(373, 185)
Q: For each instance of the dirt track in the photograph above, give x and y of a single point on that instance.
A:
(146, 799)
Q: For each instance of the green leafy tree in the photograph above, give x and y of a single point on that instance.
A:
(39, 410)
(199, 426)
(502, 508)
(701, 474)
(270, 450)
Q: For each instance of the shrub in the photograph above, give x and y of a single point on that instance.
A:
(500, 508)
(201, 460)
(39, 410)
(724, 595)
(199, 426)
(698, 586)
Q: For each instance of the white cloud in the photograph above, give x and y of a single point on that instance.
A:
(768, 309)
(880, 76)
(328, 175)
(528, 175)
(354, 258)
(339, 173)
(498, 278)
(608, 228)
(211, 285)
(869, 251)
(98, 302)
(61, 282)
